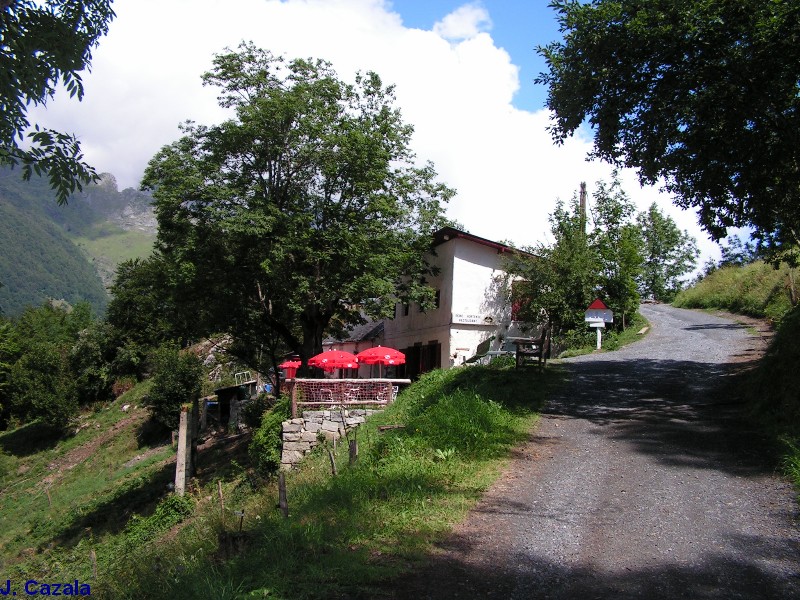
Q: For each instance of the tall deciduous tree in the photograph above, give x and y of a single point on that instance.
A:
(557, 281)
(618, 243)
(44, 44)
(669, 254)
(700, 94)
(304, 208)
(622, 257)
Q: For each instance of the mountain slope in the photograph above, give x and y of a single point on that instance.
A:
(67, 252)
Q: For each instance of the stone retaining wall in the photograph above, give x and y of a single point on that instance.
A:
(301, 435)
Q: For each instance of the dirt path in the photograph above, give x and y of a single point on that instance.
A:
(641, 481)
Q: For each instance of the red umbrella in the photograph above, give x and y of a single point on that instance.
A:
(291, 367)
(381, 355)
(334, 359)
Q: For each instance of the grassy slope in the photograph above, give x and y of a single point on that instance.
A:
(345, 535)
(773, 389)
(757, 290)
(113, 248)
(58, 496)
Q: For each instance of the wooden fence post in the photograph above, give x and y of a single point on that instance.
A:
(353, 450)
(183, 449)
(282, 501)
(194, 437)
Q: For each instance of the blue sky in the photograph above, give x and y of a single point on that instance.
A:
(517, 26)
(463, 73)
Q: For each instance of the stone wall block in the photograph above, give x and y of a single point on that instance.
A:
(308, 436)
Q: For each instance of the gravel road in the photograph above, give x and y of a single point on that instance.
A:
(640, 481)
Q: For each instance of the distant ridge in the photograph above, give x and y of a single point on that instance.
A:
(67, 252)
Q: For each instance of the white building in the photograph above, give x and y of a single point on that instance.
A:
(473, 304)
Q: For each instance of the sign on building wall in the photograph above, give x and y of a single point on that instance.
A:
(469, 319)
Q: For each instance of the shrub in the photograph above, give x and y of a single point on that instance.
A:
(90, 360)
(42, 387)
(176, 380)
(265, 447)
(503, 361)
(254, 410)
(170, 511)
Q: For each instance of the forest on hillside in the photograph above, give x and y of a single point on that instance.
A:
(46, 250)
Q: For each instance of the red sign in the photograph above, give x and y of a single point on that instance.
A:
(598, 312)
(597, 305)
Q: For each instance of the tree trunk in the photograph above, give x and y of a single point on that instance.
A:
(314, 325)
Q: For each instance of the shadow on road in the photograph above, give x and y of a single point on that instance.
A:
(681, 412)
(526, 576)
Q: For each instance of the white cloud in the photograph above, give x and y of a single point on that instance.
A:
(453, 84)
(465, 22)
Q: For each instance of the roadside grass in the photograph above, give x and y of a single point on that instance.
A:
(774, 392)
(585, 342)
(347, 535)
(756, 290)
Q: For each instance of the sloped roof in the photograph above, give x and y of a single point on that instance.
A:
(445, 234)
(366, 332)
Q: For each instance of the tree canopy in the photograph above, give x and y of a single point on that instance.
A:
(622, 257)
(700, 94)
(44, 44)
(305, 209)
(669, 254)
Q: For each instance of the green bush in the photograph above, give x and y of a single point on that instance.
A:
(265, 447)
(503, 361)
(254, 410)
(42, 387)
(176, 380)
(170, 511)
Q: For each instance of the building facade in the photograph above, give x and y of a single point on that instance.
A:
(473, 304)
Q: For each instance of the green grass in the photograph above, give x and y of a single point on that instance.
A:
(57, 494)
(774, 392)
(347, 536)
(757, 290)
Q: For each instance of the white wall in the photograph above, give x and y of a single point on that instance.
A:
(434, 324)
(474, 304)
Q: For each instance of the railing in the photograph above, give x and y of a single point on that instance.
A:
(338, 393)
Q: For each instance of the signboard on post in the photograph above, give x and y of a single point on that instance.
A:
(598, 311)
(597, 315)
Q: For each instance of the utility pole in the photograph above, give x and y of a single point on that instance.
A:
(583, 207)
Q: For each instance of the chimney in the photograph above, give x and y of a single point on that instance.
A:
(583, 207)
